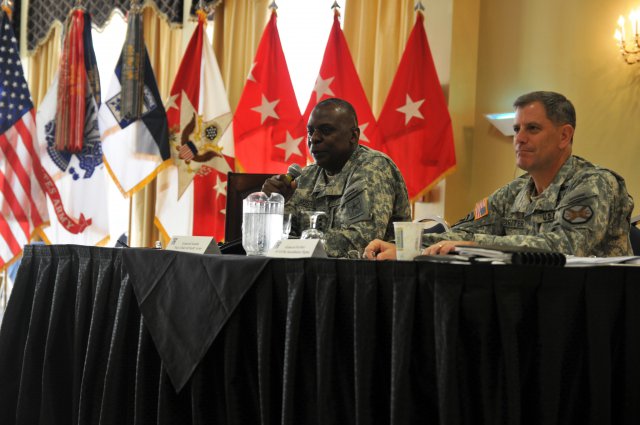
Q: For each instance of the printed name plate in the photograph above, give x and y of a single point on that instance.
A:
(194, 244)
(298, 248)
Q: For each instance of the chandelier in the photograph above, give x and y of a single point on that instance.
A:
(629, 47)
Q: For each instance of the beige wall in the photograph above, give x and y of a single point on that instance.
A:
(462, 101)
(503, 48)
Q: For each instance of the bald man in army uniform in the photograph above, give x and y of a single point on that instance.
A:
(563, 203)
(361, 190)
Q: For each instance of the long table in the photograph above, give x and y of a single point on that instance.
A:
(141, 336)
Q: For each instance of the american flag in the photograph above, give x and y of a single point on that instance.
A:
(22, 200)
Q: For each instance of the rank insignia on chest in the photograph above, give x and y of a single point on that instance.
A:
(481, 209)
(577, 214)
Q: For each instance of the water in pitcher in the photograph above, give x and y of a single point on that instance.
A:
(261, 222)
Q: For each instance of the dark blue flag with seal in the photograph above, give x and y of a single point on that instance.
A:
(132, 119)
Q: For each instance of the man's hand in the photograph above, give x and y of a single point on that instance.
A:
(445, 247)
(281, 184)
(380, 250)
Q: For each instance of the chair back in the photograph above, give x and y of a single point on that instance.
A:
(634, 235)
(433, 224)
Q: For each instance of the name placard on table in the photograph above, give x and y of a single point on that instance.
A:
(194, 244)
(298, 248)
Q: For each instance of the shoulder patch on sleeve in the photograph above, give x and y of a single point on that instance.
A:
(356, 208)
(481, 209)
(577, 214)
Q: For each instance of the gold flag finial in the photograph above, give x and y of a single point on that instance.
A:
(206, 11)
(7, 6)
(202, 11)
(135, 7)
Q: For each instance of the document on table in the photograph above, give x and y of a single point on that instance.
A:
(591, 261)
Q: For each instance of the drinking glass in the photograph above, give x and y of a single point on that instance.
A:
(286, 225)
(314, 232)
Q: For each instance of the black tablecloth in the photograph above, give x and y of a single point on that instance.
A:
(236, 340)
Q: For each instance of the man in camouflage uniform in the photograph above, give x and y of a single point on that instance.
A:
(564, 203)
(361, 190)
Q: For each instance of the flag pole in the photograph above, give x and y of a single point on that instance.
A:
(4, 287)
(418, 8)
(130, 220)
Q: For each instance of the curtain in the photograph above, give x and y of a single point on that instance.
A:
(164, 44)
(42, 14)
(238, 27)
(44, 64)
(377, 31)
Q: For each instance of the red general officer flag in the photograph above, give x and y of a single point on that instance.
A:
(414, 122)
(338, 78)
(267, 126)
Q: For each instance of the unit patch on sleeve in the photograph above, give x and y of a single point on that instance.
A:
(577, 214)
(481, 209)
(356, 209)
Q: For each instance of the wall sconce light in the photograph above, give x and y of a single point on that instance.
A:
(503, 122)
(630, 50)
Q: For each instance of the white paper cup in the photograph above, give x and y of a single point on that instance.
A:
(408, 239)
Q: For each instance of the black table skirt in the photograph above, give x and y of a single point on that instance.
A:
(315, 341)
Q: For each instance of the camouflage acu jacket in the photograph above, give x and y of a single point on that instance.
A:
(361, 202)
(585, 211)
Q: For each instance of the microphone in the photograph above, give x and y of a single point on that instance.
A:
(293, 172)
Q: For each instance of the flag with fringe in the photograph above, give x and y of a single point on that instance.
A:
(74, 163)
(191, 194)
(132, 119)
